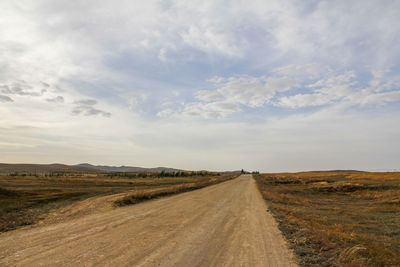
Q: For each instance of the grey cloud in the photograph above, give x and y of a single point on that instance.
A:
(90, 111)
(57, 89)
(85, 107)
(86, 102)
(45, 84)
(58, 99)
(4, 98)
(20, 89)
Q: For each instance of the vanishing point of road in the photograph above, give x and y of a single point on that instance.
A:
(221, 225)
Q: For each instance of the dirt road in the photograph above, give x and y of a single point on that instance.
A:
(221, 225)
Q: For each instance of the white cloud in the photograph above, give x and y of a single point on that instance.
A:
(211, 41)
(165, 113)
(380, 98)
(163, 54)
(232, 92)
(382, 80)
(343, 88)
(310, 71)
(213, 110)
(208, 95)
(318, 89)
(304, 100)
(334, 87)
(342, 32)
(136, 99)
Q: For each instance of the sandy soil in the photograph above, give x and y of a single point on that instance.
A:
(222, 225)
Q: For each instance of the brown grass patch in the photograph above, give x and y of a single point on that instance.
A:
(337, 219)
(144, 195)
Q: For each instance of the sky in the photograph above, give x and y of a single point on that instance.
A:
(286, 85)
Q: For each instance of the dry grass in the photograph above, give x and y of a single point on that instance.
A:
(337, 218)
(144, 195)
(26, 200)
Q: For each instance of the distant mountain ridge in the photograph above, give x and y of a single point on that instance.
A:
(6, 168)
(126, 168)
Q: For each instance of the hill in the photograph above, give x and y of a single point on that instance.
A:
(6, 168)
(126, 168)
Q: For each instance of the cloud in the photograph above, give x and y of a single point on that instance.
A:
(86, 102)
(57, 99)
(333, 87)
(380, 98)
(383, 80)
(213, 110)
(231, 93)
(136, 99)
(4, 98)
(210, 40)
(163, 54)
(208, 95)
(310, 70)
(243, 90)
(304, 100)
(343, 88)
(252, 91)
(22, 89)
(165, 113)
(45, 84)
(359, 36)
(317, 88)
(85, 107)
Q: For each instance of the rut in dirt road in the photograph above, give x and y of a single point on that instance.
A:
(222, 225)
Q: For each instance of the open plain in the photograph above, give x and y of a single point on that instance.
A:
(221, 225)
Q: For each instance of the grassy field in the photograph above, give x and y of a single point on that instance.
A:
(27, 199)
(337, 218)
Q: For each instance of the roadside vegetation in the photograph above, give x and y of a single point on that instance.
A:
(337, 218)
(143, 195)
(161, 174)
(28, 198)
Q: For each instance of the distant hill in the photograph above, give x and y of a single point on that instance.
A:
(126, 168)
(6, 168)
(339, 171)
